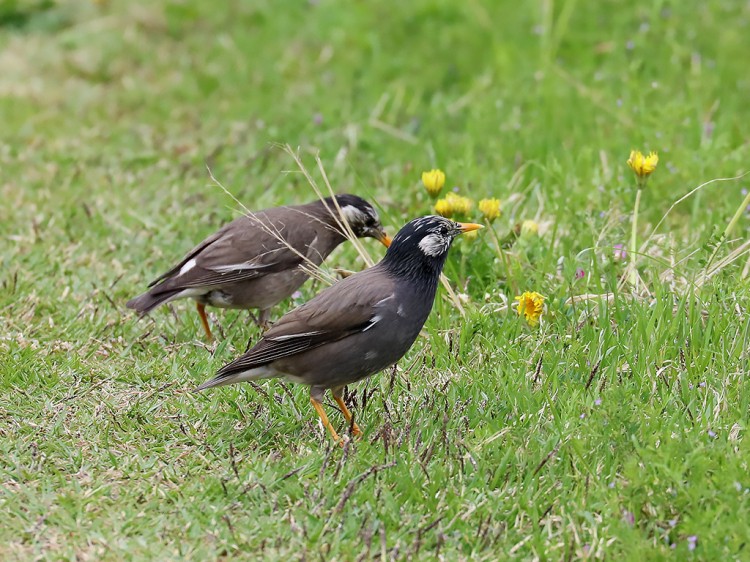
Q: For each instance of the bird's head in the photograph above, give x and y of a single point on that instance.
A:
(423, 244)
(362, 217)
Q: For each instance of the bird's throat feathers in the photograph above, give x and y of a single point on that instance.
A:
(415, 266)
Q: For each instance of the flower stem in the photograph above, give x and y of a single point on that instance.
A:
(633, 239)
(503, 256)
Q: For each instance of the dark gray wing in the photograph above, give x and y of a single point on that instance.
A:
(347, 307)
(246, 248)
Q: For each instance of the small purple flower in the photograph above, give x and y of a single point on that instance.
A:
(692, 540)
(297, 295)
(598, 402)
(586, 549)
(580, 273)
(672, 523)
(744, 191)
(738, 486)
(619, 252)
(612, 485)
(455, 189)
(583, 416)
(318, 118)
(628, 517)
(690, 386)
(711, 434)
(702, 384)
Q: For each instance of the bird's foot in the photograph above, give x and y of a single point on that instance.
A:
(355, 430)
(353, 427)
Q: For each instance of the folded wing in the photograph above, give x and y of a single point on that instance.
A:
(328, 317)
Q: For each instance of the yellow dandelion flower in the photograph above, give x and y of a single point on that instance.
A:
(461, 205)
(643, 166)
(433, 181)
(531, 307)
(490, 208)
(529, 228)
(444, 208)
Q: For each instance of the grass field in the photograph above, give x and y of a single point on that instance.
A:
(616, 429)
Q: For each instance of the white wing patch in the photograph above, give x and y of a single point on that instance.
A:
(374, 320)
(293, 336)
(235, 267)
(386, 299)
(190, 264)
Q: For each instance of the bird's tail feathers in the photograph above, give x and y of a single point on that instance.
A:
(148, 301)
(224, 378)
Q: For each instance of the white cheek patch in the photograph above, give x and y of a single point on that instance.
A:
(433, 245)
(353, 215)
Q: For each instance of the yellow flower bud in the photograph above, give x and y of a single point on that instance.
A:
(643, 166)
(461, 205)
(529, 228)
(433, 181)
(444, 208)
(490, 208)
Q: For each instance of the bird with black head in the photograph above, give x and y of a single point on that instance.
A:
(358, 326)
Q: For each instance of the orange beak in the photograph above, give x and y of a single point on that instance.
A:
(384, 239)
(468, 226)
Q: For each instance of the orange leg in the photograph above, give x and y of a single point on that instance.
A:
(319, 408)
(204, 320)
(347, 414)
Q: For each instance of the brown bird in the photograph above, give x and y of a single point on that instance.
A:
(254, 261)
(359, 325)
